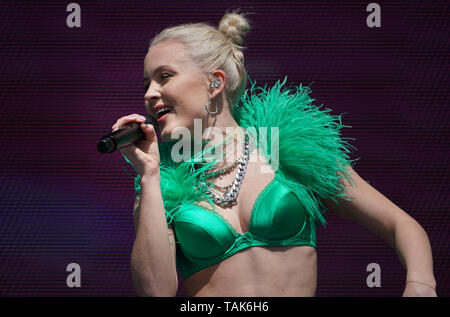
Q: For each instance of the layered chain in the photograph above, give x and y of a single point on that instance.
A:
(224, 171)
(231, 191)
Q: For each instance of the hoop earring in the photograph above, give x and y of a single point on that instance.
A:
(207, 108)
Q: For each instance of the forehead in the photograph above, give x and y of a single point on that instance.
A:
(170, 53)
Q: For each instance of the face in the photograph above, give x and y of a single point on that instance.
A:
(172, 79)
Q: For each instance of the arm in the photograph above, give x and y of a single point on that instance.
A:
(153, 266)
(381, 216)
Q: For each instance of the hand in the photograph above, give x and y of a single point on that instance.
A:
(144, 154)
(417, 289)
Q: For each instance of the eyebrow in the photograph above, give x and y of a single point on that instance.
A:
(156, 70)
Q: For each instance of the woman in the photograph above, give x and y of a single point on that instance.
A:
(244, 226)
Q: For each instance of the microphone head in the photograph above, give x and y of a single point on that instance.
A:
(106, 145)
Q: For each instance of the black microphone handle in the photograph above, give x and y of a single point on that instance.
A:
(128, 135)
(124, 136)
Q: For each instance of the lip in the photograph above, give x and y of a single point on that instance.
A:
(164, 117)
(157, 107)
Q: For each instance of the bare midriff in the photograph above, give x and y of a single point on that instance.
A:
(259, 272)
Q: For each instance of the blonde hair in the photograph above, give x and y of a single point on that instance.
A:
(215, 48)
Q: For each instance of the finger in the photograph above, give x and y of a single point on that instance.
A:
(129, 151)
(149, 131)
(128, 119)
(133, 153)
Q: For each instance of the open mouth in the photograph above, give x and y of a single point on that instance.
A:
(163, 111)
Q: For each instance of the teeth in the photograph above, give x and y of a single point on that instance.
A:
(162, 109)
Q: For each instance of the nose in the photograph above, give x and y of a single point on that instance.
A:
(153, 92)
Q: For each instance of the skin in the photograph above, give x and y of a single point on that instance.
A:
(256, 271)
(183, 86)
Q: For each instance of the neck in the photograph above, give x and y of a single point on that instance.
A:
(223, 129)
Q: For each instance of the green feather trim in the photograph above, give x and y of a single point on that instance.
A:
(180, 180)
(311, 156)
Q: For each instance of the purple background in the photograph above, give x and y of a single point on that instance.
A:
(62, 89)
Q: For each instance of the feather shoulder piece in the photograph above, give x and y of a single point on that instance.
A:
(301, 141)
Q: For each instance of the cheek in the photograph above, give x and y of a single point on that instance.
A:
(188, 99)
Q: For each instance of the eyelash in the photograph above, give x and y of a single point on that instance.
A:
(146, 86)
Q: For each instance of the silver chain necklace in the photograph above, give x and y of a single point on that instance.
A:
(229, 197)
(226, 170)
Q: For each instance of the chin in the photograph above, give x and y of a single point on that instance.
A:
(165, 136)
(169, 127)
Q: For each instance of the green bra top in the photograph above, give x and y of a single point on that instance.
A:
(205, 238)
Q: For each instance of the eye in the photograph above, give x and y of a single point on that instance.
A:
(165, 75)
(162, 76)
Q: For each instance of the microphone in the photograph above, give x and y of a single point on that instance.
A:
(125, 136)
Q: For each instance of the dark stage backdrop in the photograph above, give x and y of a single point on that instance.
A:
(62, 89)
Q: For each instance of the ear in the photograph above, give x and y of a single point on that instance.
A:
(221, 76)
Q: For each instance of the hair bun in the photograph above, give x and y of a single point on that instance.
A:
(234, 26)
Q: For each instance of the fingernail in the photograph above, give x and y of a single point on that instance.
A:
(142, 118)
